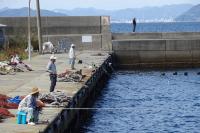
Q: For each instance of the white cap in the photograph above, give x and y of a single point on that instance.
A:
(72, 45)
(52, 57)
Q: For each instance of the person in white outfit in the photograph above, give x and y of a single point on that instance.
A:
(72, 56)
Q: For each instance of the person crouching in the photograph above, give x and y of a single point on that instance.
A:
(29, 106)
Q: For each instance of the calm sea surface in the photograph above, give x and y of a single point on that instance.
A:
(148, 102)
(157, 27)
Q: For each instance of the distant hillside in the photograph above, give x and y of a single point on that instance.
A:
(164, 13)
(5, 12)
(192, 14)
(3, 9)
(84, 12)
(145, 13)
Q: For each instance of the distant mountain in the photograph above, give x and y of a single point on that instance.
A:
(3, 9)
(148, 14)
(5, 12)
(85, 12)
(168, 12)
(192, 14)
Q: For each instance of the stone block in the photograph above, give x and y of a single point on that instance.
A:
(127, 57)
(178, 56)
(146, 45)
(105, 24)
(195, 55)
(152, 56)
(59, 25)
(106, 42)
(135, 36)
(196, 45)
(179, 45)
(181, 35)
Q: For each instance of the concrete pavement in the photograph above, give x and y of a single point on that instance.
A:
(22, 83)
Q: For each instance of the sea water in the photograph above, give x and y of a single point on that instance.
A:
(148, 102)
(157, 27)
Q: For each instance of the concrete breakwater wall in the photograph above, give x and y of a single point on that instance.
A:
(93, 33)
(68, 120)
(156, 49)
(88, 31)
(156, 35)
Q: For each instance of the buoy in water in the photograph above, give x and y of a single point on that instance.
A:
(185, 73)
(198, 73)
(163, 74)
(175, 73)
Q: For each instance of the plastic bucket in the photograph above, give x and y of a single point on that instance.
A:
(24, 118)
(21, 117)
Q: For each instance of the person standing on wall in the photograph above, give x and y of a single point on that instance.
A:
(134, 24)
(72, 56)
(51, 68)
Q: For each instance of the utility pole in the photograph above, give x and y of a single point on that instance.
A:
(29, 32)
(39, 26)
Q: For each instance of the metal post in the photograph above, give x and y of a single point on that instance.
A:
(39, 26)
(29, 32)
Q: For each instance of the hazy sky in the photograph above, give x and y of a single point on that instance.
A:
(100, 4)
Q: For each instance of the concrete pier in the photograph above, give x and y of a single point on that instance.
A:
(60, 118)
(90, 33)
(156, 49)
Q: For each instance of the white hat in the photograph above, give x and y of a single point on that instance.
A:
(52, 57)
(72, 45)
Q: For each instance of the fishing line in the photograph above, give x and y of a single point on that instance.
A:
(122, 108)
